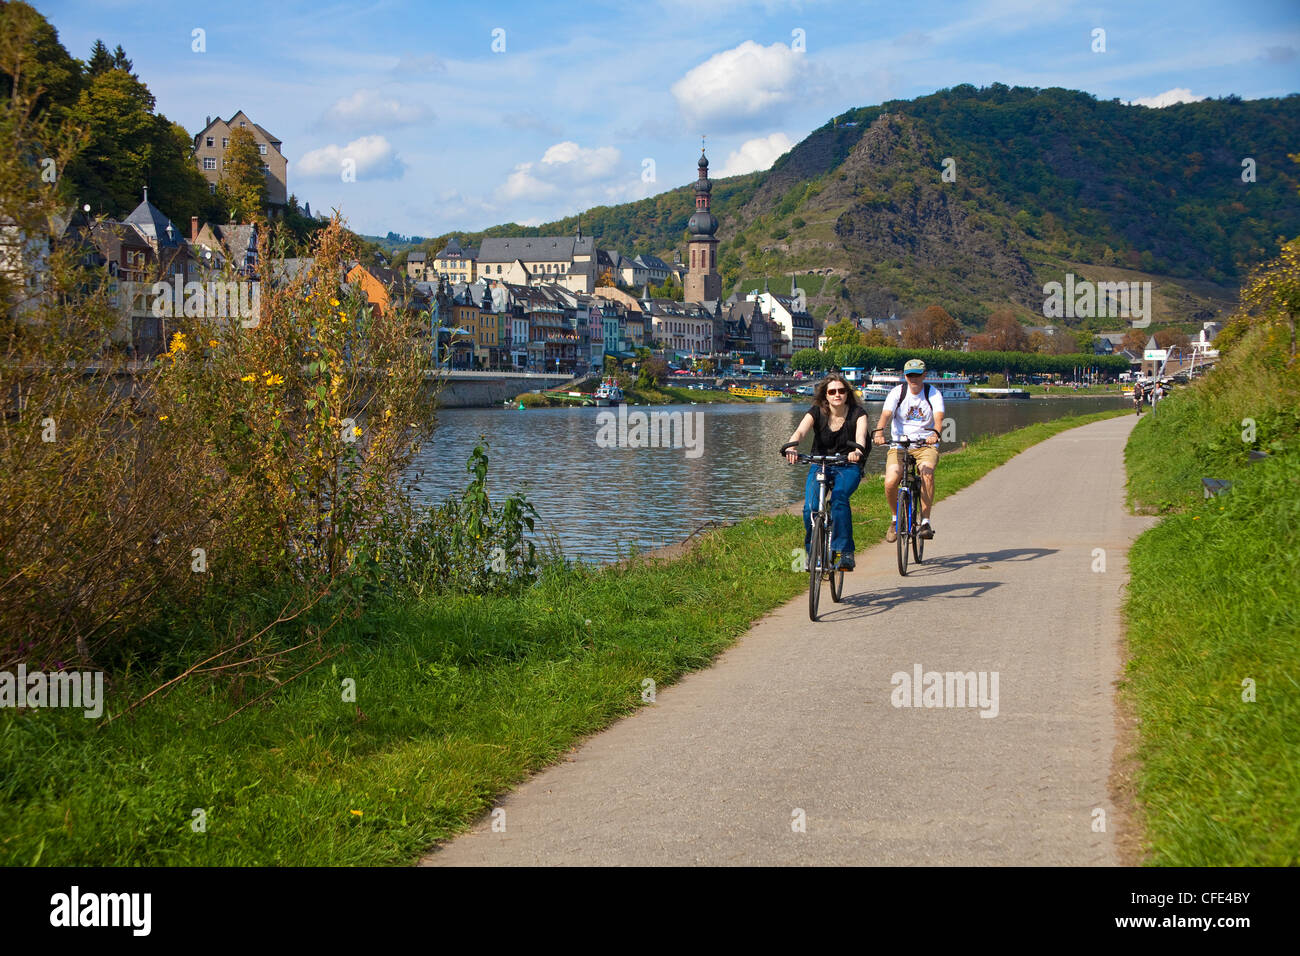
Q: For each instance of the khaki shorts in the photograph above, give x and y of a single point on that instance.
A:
(925, 455)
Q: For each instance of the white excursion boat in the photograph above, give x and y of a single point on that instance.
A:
(950, 385)
(609, 393)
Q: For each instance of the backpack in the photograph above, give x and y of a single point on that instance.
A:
(925, 397)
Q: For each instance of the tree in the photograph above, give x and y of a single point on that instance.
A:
(34, 57)
(1005, 332)
(1085, 342)
(1168, 339)
(844, 332)
(671, 289)
(932, 328)
(653, 372)
(101, 61)
(606, 279)
(116, 112)
(1135, 340)
(120, 62)
(243, 184)
(877, 338)
(1037, 341)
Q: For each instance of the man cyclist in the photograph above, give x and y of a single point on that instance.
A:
(913, 410)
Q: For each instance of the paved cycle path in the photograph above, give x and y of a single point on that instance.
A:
(797, 722)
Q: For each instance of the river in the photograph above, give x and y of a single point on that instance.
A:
(600, 502)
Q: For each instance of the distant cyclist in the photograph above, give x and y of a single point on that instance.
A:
(835, 419)
(913, 410)
(1137, 397)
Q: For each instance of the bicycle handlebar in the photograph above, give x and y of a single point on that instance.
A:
(823, 459)
(907, 442)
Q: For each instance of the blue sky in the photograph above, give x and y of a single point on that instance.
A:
(602, 102)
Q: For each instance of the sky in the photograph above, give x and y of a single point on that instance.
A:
(459, 116)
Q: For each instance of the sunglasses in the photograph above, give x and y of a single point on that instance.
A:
(836, 391)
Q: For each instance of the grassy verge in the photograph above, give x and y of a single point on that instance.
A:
(1213, 615)
(457, 698)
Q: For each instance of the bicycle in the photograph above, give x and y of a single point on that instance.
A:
(823, 563)
(906, 526)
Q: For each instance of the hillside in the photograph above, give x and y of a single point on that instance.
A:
(1048, 181)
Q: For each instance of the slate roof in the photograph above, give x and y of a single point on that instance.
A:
(453, 248)
(536, 248)
(152, 224)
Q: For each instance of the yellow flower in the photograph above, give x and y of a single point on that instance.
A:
(334, 302)
(275, 380)
(162, 418)
(250, 377)
(178, 343)
(356, 813)
(212, 343)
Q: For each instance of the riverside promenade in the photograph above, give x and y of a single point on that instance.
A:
(796, 746)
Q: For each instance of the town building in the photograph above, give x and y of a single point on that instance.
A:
(212, 142)
(456, 264)
(417, 266)
(569, 261)
(703, 283)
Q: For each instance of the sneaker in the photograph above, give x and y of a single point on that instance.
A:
(926, 531)
(892, 533)
(846, 561)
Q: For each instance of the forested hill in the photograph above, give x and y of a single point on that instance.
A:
(1046, 180)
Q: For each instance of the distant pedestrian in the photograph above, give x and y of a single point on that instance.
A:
(1137, 398)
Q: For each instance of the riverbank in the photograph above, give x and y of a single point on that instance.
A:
(1213, 613)
(662, 395)
(454, 699)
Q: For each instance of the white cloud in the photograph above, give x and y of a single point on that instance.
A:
(564, 167)
(1167, 98)
(374, 157)
(737, 86)
(754, 154)
(367, 108)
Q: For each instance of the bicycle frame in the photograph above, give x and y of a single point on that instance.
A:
(823, 562)
(906, 521)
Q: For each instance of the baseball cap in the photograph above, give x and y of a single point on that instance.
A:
(914, 367)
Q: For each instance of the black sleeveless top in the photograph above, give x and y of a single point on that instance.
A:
(828, 442)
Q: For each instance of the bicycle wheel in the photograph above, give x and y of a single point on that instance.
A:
(815, 565)
(918, 543)
(836, 572)
(903, 527)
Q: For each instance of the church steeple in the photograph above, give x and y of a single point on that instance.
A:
(703, 284)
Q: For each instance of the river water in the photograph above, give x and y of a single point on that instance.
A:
(598, 502)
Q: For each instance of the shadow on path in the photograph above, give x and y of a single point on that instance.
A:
(879, 602)
(946, 563)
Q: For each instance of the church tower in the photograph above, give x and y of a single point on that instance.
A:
(703, 284)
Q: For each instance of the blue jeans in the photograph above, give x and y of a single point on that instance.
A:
(846, 479)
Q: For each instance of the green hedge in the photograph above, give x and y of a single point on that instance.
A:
(861, 356)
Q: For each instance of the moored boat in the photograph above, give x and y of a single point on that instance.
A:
(609, 393)
(952, 386)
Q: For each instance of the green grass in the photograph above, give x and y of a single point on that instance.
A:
(1214, 602)
(457, 699)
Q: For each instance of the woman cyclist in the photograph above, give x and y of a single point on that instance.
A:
(837, 421)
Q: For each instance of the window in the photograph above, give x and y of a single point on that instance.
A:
(266, 170)
(225, 142)
(209, 162)
(212, 187)
(211, 141)
(242, 124)
(261, 148)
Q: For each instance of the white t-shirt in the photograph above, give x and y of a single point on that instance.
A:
(913, 415)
